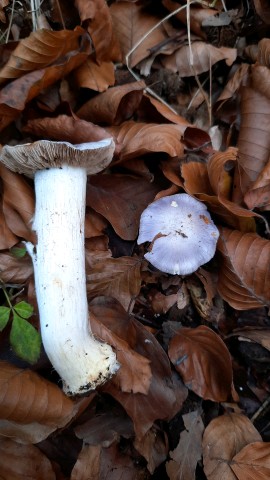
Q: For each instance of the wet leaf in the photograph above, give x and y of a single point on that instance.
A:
(243, 276)
(223, 438)
(25, 397)
(25, 339)
(252, 462)
(203, 361)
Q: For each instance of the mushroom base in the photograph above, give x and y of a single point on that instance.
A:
(59, 266)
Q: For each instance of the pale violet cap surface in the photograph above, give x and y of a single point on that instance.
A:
(182, 234)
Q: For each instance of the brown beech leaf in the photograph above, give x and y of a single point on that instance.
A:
(264, 52)
(95, 14)
(18, 204)
(137, 139)
(203, 361)
(39, 50)
(134, 376)
(23, 462)
(223, 438)
(200, 58)
(131, 23)
(234, 83)
(7, 237)
(252, 462)
(185, 456)
(3, 4)
(152, 109)
(120, 199)
(105, 463)
(116, 277)
(259, 194)
(243, 275)
(14, 96)
(197, 182)
(254, 334)
(25, 397)
(115, 105)
(66, 129)
(15, 270)
(153, 447)
(166, 393)
(253, 140)
(94, 76)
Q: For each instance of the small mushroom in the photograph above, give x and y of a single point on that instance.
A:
(182, 234)
(60, 172)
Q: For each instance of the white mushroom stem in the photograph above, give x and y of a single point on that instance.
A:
(59, 266)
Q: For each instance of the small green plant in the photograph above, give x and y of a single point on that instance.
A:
(24, 338)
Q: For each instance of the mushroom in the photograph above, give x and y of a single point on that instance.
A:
(182, 234)
(60, 172)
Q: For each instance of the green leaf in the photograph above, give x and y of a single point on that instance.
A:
(25, 339)
(24, 309)
(4, 317)
(18, 252)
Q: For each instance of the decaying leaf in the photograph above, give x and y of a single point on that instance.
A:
(185, 456)
(203, 361)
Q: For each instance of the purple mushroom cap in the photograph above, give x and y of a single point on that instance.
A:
(182, 234)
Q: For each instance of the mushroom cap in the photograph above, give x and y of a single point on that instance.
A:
(44, 154)
(182, 234)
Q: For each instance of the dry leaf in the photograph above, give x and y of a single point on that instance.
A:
(243, 274)
(96, 15)
(185, 456)
(153, 447)
(131, 24)
(252, 462)
(136, 139)
(203, 361)
(121, 199)
(223, 438)
(23, 462)
(15, 270)
(197, 59)
(254, 334)
(114, 106)
(25, 397)
(94, 76)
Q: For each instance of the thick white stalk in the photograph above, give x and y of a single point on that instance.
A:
(59, 266)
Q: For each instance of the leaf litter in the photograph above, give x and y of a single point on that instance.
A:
(191, 400)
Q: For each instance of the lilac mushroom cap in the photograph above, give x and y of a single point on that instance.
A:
(182, 234)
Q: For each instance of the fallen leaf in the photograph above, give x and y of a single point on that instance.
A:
(41, 49)
(25, 397)
(153, 447)
(23, 462)
(15, 270)
(114, 106)
(185, 456)
(255, 334)
(136, 139)
(95, 14)
(243, 276)
(166, 393)
(203, 361)
(116, 277)
(252, 462)
(223, 438)
(93, 76)
(197, 59)
(132, 24)
(123, 205)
